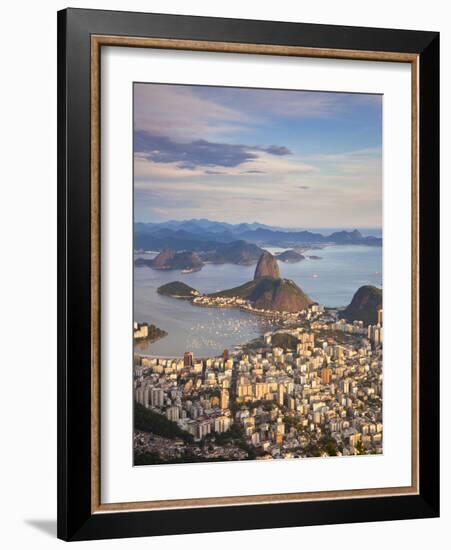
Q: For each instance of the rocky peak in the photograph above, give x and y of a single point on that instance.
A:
(267, 267)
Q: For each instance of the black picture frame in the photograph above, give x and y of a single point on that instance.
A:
(76, 521)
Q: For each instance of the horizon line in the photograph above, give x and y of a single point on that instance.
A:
(301, 228)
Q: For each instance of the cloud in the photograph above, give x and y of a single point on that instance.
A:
(260, 104)
(200, 152)
(179, 111)
(276, 150)
(289, 193)
(146, 170)
(214, 112)
(263, 169)
(357, 165)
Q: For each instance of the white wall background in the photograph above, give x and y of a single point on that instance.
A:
(28, 269)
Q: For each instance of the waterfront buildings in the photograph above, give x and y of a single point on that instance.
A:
(140, 331)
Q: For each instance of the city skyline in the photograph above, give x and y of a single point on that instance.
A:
(285, 158)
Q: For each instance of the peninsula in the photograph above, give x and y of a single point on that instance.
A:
(267, 292)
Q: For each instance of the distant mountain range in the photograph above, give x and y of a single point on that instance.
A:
(204, 235)
(236, 252)
(202, 224)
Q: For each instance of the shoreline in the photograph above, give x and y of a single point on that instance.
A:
(248, 309)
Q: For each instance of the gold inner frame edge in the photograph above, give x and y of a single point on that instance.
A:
(97, 41)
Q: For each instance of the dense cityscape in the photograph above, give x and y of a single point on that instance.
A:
(312, 387)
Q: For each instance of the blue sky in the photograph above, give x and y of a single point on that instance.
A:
(280, 157)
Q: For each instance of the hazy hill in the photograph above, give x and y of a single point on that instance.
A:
(236, 252)
(169, 259)
(202, 224)
(290, 256)
(204, 235)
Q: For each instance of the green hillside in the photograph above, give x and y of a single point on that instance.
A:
(365, 304)
(177, 289)
(152, 422)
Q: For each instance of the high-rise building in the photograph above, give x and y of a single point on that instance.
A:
(224, 399)
(222, 424)
(379, 317)
(139, 395)
(255, 438)
(326, 374)
(261, 389)
(378, 335)
(156, 397)
(228, 365)
(203, 428)
(188, 359)
(281, 394)
(173, 413)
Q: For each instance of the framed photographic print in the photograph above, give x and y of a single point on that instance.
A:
(248, 274)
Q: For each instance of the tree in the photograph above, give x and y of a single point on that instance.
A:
(360, 448)
(152, 422)
(331, 449)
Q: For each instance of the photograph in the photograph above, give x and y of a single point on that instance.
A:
(257, 274)
(224, 249)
